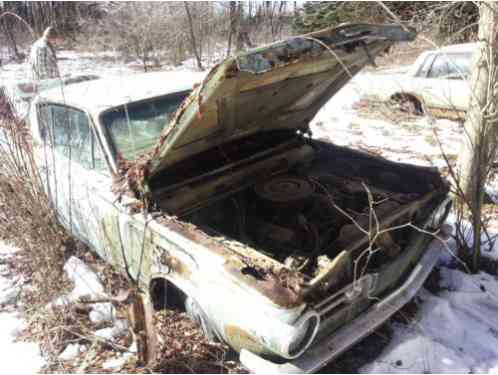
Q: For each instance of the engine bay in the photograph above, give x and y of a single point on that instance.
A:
(305, 205)
(301, 221)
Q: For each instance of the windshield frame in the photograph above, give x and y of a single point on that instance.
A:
(106, 132)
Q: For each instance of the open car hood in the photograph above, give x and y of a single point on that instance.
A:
(278, 86)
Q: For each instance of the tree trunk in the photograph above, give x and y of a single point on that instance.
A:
(238, 39)
(233, 23)
(192, 36)
(7, 27)
(479, 143)
(11, 41)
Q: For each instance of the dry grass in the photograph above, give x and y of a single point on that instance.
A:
(26, 218)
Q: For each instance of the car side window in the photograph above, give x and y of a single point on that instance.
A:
(440, 67)
(451, 66)
(460, 66)
(70, 134)
(424, 69)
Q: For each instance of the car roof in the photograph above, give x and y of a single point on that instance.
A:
(464, 47)
(99, 95)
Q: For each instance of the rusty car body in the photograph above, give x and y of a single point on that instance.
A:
(210, 192)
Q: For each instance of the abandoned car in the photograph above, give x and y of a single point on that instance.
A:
(436, 83)
(212, 193)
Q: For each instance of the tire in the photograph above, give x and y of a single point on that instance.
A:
(408, 104)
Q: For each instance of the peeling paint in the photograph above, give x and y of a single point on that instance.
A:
(241, 339)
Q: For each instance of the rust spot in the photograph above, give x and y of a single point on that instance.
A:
(231, 71)
(176, 265)
(268, 282)
(270, 286)
(241, 339)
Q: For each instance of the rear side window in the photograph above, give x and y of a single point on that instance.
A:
(68, 131)
(451, 66)
(71, 134)
(424, 69)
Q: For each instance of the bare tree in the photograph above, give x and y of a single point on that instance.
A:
(479, 146)
(232, 29)
(192, 36)
(136, 29)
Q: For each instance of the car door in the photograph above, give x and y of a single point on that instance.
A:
(446, 85)
(418, 85)
(98, 218)
(91, 197)
(79, 152)
(99, 213)
(52, 161)
(78, 181)
(74, 169)
(460, 68)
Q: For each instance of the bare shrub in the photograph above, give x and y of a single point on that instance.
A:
(155, 33)
(26, 217)
(171, 32)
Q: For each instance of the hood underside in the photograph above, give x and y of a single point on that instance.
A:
(279, 86)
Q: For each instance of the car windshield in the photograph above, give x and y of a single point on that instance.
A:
(135, 128)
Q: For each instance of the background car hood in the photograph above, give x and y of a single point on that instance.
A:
(279, 86)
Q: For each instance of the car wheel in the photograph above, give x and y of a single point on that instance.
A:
(409, 104)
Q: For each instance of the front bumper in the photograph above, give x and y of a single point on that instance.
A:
(324, 351)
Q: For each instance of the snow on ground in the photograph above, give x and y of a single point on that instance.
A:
(71, 63)
(103, 64)
(26, 357)
(454, 330)
(17, 357)
(407, 140)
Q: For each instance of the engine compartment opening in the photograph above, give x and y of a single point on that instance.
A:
(301, 221)
(304, 212)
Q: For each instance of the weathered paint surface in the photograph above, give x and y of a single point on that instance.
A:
(254, 89)
(239, 339)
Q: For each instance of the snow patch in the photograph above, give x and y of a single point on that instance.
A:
(102, 312)
(9, 295)
(19, 357)
(71, 352)
(86, 282)
(115, 363)
(455, 331)
(120, 327)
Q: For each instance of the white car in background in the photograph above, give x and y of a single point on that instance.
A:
(437, 83)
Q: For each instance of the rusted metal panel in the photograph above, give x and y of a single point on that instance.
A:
(193, 128)
(240, 339)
